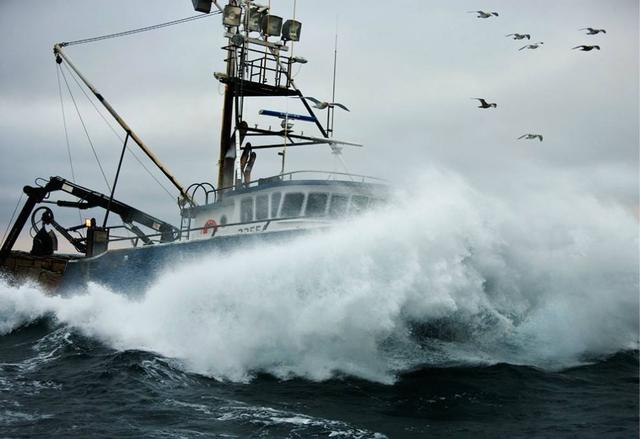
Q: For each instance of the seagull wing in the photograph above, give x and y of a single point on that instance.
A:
(523, 47)
(341, 106)
(540, 137)
(577, 47)
(522, 137)
(510, 35)
(527, 36)
(312, 99)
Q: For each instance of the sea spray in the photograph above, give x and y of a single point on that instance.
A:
(525, 282)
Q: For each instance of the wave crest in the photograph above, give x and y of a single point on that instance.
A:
(444, 275)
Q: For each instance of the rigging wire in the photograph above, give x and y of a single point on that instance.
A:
(66, 132)
(64, 122)
(12, 215)
(95, 154)
(116, 35)
(139, 30)
(129, 150)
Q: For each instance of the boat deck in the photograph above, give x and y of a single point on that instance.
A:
(21, 267)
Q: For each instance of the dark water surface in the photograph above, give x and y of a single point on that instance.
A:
(55, 382)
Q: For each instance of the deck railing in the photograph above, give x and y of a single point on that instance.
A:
(211, 193)
(187, 231)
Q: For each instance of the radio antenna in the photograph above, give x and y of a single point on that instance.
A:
(333, 93)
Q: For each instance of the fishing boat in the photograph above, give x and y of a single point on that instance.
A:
(214, 218)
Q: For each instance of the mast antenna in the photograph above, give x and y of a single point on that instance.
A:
(331, 109)
(336, 150)
(285, 123)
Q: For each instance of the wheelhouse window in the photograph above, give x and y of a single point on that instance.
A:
(316, 204)
(275, 204)
(262, 207)
(358, 204)
(246, 210)
(292, 205)
(338, 205)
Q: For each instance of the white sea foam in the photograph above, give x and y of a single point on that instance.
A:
(236, 411)
(542, 280)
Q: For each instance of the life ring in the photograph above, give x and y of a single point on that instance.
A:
(210, 224)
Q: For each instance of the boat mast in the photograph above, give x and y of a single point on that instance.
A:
(258, 63)
(227, 159)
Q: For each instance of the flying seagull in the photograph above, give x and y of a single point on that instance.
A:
(322, 105)
(531, 137)
(532, 46)
(485, 104)
(592, 31)
(519, 36)
(587, 48)
(483, 14)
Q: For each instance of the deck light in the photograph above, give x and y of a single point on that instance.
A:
(291, 30)
(202, 6)
(271, 25)
(231, 15)
(256, 13)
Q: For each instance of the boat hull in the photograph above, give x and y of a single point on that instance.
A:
(47, 271)
(132, 271)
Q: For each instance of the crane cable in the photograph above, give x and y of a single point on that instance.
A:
(115, 132)
(116, 35)
(86, 132)
(66, 132)
(139, 30)
(64, 122)
(12, 216)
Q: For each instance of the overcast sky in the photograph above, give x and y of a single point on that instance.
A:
(406, 69)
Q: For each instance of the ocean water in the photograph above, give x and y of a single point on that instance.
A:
(447, 314)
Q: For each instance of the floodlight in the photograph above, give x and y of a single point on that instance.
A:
(231, 15)
(291, 30)
(202, 6)
(271, 25)
(255, 18)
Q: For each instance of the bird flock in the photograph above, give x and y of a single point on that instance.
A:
(521, 36)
